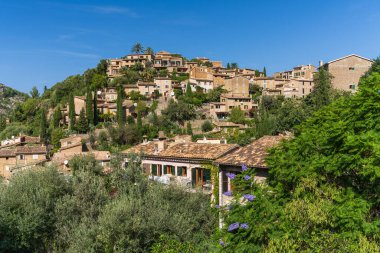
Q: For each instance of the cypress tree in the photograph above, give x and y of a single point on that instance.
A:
(139, 124)
(57, 116)
(228, 66)
(89, 110)
(189, 92)
(3, 123)
(189, 129)
(43, 126)
(120, 112)
(71, 112)
(82, 125)
(322, 90)
(265, 71)
(96, 113)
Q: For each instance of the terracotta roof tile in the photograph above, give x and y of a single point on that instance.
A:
(254, 154)
(7, 153)
(31, 150)
(189, 150)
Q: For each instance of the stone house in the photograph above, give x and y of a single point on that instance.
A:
(19, 158)
(78, 145)
(169, 61)
(252, 156)
(165, 86)
(346, 71)
(146, 88)
(183, 163)
(115, 65)
(222, 109)
(237, 85)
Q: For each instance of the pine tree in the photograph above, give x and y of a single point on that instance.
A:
(3, 123)
(71, 112)
(189, 92)
(120, 112)
(43, 126)
(189, 129)
(228, 66)
(265, 71)
(82, 125)
(96, 112)
(57, 117)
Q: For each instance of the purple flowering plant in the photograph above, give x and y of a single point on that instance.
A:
(244, 225)
(246, 177)
(231, 175)
(249, 197)
(228, 193)
(233, 226)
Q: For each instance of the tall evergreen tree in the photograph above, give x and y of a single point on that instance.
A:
(43, 126)
(321, 94)
(3, 123)
(89, 110)
(189, 129)
(71, 112)
(189, 92)
(120, 112)
(57, 117)
(265, 71)
(96, 112)
(139, 124)
(228, 65)
(82, 125)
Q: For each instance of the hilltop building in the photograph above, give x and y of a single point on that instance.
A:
(346, 71)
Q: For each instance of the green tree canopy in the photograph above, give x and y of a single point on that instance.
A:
(137, 48)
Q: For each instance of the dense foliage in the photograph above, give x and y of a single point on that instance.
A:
(43, 211)
(323, 192)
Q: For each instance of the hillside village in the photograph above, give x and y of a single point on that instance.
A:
(214, 114)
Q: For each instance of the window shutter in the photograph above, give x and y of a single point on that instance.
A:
(154, 169)
(165, 169)
(179, 171)
(206, 175)
(172, 170)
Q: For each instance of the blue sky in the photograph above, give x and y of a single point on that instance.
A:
(43, 42)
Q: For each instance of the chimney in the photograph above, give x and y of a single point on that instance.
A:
(320, 63)
(159, 146)
(145, 139)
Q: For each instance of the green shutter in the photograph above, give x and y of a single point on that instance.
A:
(193, 176)
(165, 169)
(173, 170)
(154, 169)
(206, 175)
(179, 171)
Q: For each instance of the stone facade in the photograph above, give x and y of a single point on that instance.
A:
(347, 71)
(237, 85)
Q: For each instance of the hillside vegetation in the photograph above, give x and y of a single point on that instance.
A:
(324, 186)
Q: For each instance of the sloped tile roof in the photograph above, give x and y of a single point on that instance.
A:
(7, 153)
(31, 150)
(252, 155)
(186, 150)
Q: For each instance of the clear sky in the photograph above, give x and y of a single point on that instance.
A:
(43, 42)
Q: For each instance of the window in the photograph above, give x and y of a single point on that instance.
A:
(303, 90)
(246, 107)
(351, 68)
(35, 157)
(21, 157)
(352, 86)
(181, 171)
(217, 106)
